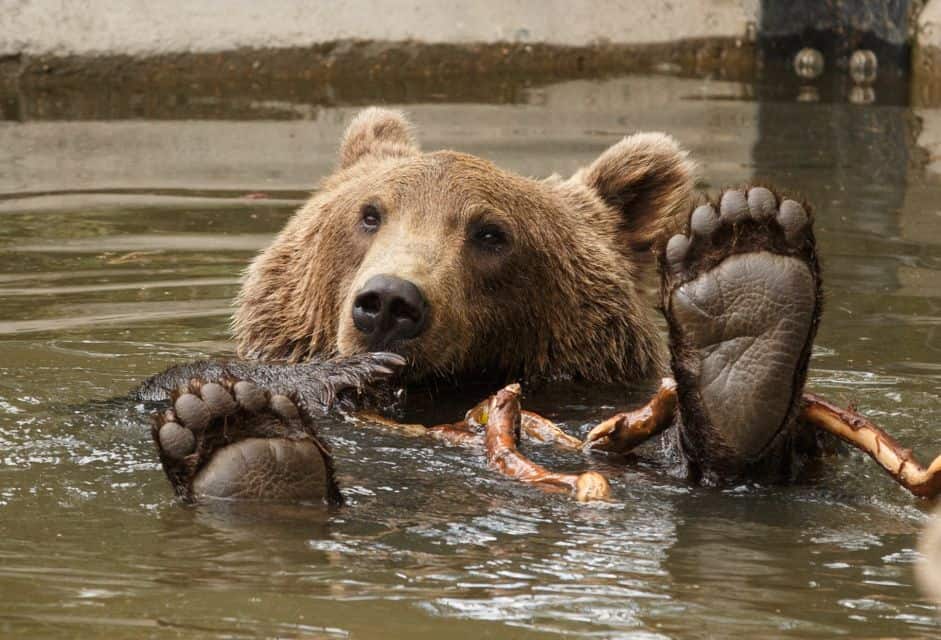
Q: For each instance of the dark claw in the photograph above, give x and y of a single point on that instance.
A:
(391, 360)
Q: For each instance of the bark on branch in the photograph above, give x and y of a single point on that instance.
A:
(503, 428)
(858, 431)
(622, 432)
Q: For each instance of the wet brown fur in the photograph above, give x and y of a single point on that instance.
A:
(560, 301)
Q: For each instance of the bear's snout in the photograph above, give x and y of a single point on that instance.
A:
(389, 309)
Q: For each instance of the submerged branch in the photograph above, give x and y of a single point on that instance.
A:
(899, 462)
(622, 432)
(503, 427)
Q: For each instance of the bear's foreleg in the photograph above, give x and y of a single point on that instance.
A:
(318, 385)
(853, 428)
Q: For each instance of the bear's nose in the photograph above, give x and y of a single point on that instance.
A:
(388, 309)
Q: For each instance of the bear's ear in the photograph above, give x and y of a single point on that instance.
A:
(377, 132)
(649, 178)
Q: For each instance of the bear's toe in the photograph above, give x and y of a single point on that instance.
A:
(176, 441)
(676, 251)
(762, 205)
(218, 399)
(285, 408)
(704, 222)
(793, 220)
(192, 411)
(733, 207)
(249, 396)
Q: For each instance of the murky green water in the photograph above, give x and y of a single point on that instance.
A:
(121, 243)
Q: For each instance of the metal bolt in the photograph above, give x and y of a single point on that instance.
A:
(808, 63)
(863, 66)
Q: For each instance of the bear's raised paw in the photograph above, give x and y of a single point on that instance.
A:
(742, 298)
(232, 439)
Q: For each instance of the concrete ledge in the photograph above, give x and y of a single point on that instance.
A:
(349, 73)
(147, 28)
(355, 45)
(344, 65)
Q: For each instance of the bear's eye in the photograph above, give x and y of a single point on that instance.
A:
(490, 237)
(370, 218)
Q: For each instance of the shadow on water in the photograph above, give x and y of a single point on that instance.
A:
(121, 244)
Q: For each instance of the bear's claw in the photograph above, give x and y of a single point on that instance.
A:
(233, 439)
(741, 293)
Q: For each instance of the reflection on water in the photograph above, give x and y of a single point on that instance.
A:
(121, 243)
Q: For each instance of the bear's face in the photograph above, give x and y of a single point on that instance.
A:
(440, 260)
(465, 269)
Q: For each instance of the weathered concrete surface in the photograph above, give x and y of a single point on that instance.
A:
(348, 71)
(556, 128)
(281, 84)
(145, 27)
(919, 216)
(929, 139)
(926, 56)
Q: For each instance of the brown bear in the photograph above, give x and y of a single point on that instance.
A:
(451, 268)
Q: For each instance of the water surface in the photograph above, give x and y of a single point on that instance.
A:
(121, 244)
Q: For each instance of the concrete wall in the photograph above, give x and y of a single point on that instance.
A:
(147, 27)
(926, 60)
(929, 24)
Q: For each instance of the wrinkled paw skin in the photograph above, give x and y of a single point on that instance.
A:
(741, 294)
(234, 440)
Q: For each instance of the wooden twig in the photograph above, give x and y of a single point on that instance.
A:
(536, 427)
(470, 431)
(532, 426)
(403, 428)
(503, 428)
(624, 431)
(858, 431)
(459, 433)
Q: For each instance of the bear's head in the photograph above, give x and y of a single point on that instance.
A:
(466, 269)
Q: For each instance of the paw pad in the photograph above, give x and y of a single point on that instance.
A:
(285, 408)
(704, 221)
(195, 410)
(793, 219)
(677, 248)
(733, 207)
